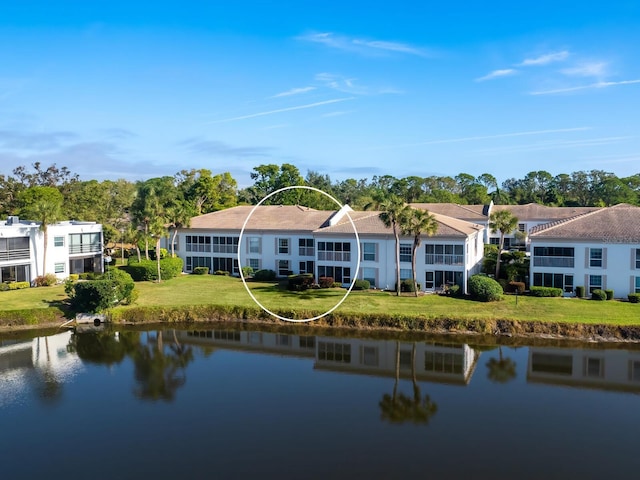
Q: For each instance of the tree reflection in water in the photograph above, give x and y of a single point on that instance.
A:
(400, 408)
(159, 371)
(501, 370)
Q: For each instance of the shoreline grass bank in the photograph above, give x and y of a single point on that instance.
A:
(194, 299)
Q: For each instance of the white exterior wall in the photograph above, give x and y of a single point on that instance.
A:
(55, 255)
(618, 270)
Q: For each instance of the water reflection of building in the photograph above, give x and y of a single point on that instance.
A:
(585, 368)
(23, 360)
(430, 361)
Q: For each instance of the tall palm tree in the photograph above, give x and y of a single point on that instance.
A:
(505, 222)
(416, 223)
(392, 210)
(43, 204)
(179, 216)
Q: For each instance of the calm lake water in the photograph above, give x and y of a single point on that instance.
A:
(222, 403)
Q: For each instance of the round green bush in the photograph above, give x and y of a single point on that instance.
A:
(485, 289)
(634, 297)
(545, 291)
(264, 275)
(361, 285)
(609, 294)
(598, 294)
(201, 270)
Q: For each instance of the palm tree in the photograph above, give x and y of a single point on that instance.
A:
(179, 216)
(43, 204)
(392, 209)
(416, 223)
(501, 370)
(504, 222)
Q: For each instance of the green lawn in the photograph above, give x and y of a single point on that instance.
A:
(219, 290)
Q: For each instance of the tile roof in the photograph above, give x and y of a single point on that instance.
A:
(617, 224)
(265, 217)
(475, 213)
(534, 211)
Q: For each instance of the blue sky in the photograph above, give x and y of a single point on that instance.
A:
(114, 90)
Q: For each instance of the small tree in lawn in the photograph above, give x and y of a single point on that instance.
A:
(504, 222)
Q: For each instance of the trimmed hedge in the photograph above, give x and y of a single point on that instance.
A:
(147, 270)
(361, 285)
(484, 289)
(598, 294)
(264, 275)
(222, 273)
(407, 286)
(516, 287)
(325, 282)
(545, 292)
(94, 295)
(247, 271)
(609, 294)
(580, 291)
(201, 270)
(300, 282)
(634, 297)
(46, 280)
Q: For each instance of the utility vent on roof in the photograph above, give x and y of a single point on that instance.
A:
(13, 220)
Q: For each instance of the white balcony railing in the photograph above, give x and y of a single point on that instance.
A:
(334, 256)
(562, 262)
(17, 254)
(442, 259)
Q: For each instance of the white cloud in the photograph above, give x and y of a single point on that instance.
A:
(592, 69)
(585, 87)
(545, 59)
(281, 110)
(293, 91)
(362, 46)
(497, 74)
(336, 113)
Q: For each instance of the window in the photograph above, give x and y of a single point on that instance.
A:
(307, 267)
(255, 245)
(562, 257)
(225, 244)
(227, 335)
(593, 367)
(85, 243)
(334, 352)
(254, 263)
(552, 363)
(58, 241)
(634, 370)
(339, 274)
(193, 262)
(14, 273)
(595, 282)
(334, 251)
(369, 356)
(225, 264)
(595, 257)
(405, 273)
(440, 362)
(59, 268)
(444, 254)
(428, 281)
(405, 252)
(283, 268)
(369, 252)
(308, 342)
(370, 274)
(522, 227)
(557, 280)
(198, 243)
(283, 246)
(305, 247)
(637, 284)
(638, 258)
(14, 249)
(406, 360)
(283, 340)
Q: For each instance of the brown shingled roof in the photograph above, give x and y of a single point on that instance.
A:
(265, 217)
(534, 211)
(475, 213)
(617, 224)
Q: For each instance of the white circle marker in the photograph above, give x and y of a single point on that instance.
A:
(244, 282)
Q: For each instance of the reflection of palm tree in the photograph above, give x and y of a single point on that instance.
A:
(49, 387)
(501, 370)
(159, 374)
(399, 408)
(103, 347)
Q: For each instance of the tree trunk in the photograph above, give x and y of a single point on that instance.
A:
(395, 234)
(499, 255)
(146, 241)
(138, 252)
(44, 251)
(416, 244)
(158, 257)
(173, 241)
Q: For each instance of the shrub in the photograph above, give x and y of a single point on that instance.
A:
(222, 272)
(201, 270)
(516, 287)
(300, 282)
(45, 280)
(170, 267)
(485, 289)
(247, 271)
(264, 275)
(325, 282)
(94, 295)
(634, 297)
(580, 291)
(4, 287)
(609, 294)
(453, 291)
(336, 285)
(361, 285)
(406, 285)
(89, 276)
(598, 294)
(74, 277)
(18, 285)
(545, 292)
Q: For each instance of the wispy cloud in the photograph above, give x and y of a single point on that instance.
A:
(483, 137)
(555, 144)
(216, 148)
(545, 59)
(38, 141)
(497, 74)
(351, 86)
(362, 46)
(293, 91)
(281, 110)
(585, 87)
(336, 113)
(592, 69)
